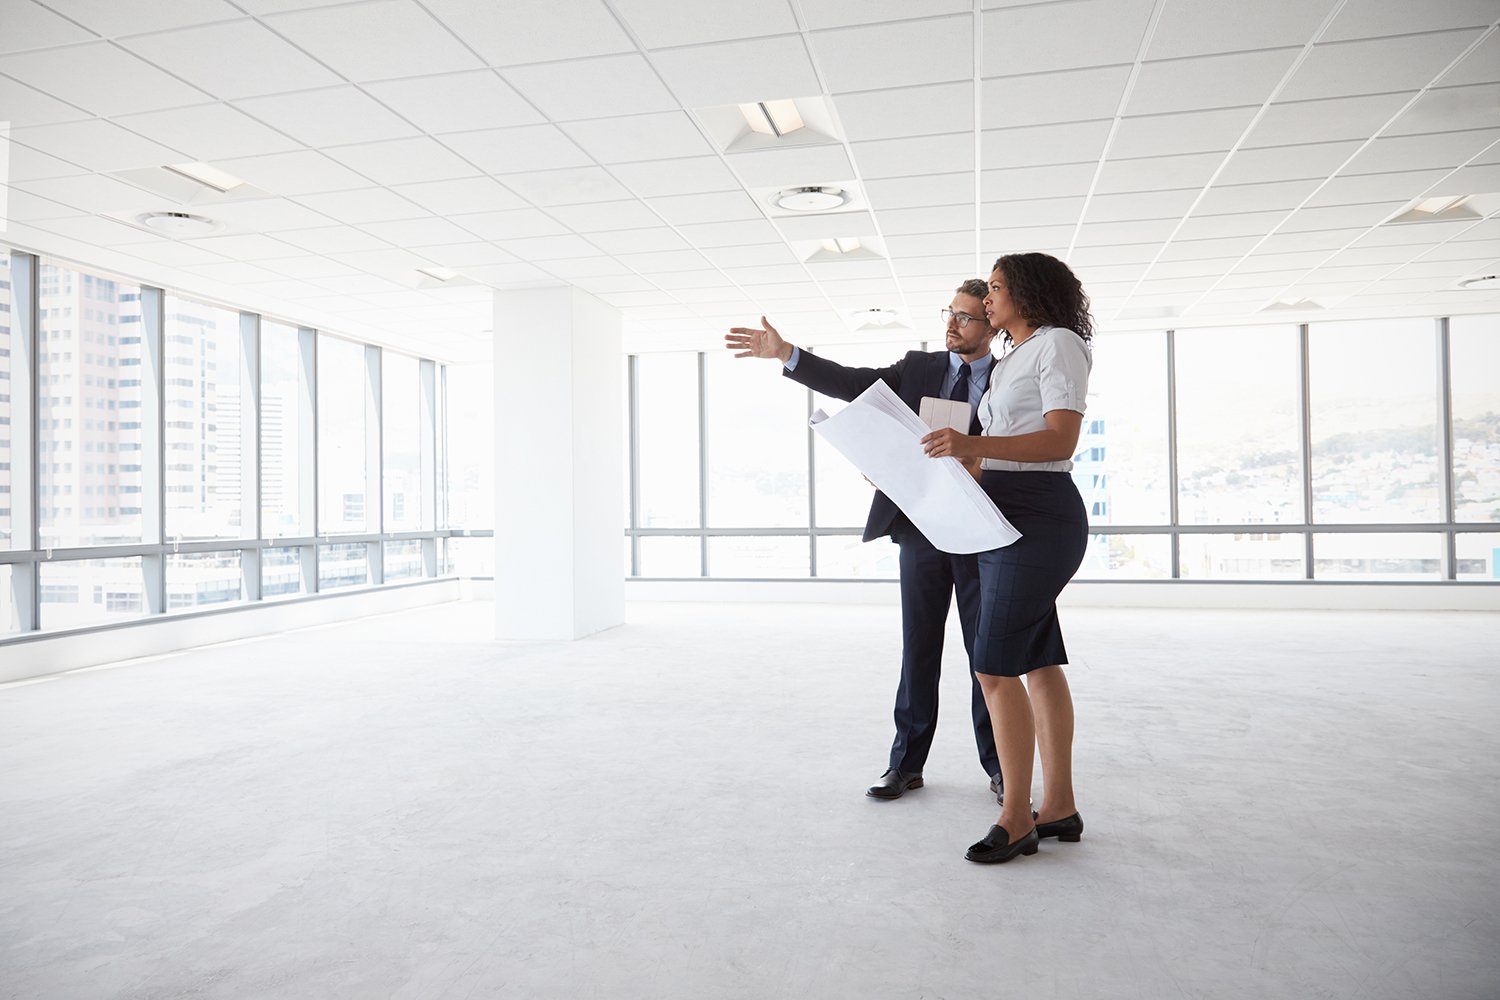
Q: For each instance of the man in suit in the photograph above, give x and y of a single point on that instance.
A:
(928, 577)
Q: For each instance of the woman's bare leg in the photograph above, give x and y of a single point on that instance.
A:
(1015, 739)
(1053, 704)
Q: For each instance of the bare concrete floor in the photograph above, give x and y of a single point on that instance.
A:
(1279, 805)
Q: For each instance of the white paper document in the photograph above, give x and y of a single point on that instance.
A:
(881, 435)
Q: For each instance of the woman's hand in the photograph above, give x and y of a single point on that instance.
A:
(947, 442)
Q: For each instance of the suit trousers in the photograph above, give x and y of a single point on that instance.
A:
(929, 579)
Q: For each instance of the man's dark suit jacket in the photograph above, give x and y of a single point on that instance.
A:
(918, 374)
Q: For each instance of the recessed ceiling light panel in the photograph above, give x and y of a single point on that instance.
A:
(1483, 281)
(811, 199)
(179, 225)
(772, 117)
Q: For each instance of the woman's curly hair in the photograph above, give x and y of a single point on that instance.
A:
(1046, 292)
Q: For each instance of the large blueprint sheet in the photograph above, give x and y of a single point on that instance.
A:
(881, 435)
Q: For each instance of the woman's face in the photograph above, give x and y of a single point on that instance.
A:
(998, 308)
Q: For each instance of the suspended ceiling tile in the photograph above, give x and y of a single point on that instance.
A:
(1480, 66)
(1158, 173)
(1222, 199)
(374, 40)
(1030, 213)
(1291, 122)
(330, 239)
(1043, 145)
(1422, 152)
(1045, 98)
(33, 26)
(456, 102)
(1348, 69)
(307, 266)
(1182, 132)
(695, 175)
(1205, 82)
(417, 232)
(132, 17)
(1208, 249)
(1207, 27)
(544, 248)
(296, 173)
(900, 54)
(907, 111)
(687, 209)
(366, 205)
(462, 255)
(100, 78)
(1086, 33)
(918, 192)
(208, 132)
(1354, 190)
(197, 55)
(908, 157)
(760, 69)
(333, 117)
(88, 193)
(525, 31)
(666, 260)
(575, 186)
(1371, 18)
(404, 161)
(1341, 216)
(233, 271)
(1208, 227)
(797, 166)
(660, 24)
(267, 215)
(511, 225)
(1141, 205)
(106, 232)
(750, 256)
(246, 246)
(97, 145)
(27, 164)
(638, 240)
(522, 148)
(1286, 163)
(460, 195)
(1018, 183)
(736, 233)
(608, 216)
(28, 106)
(592, 88)
(1450, 109)
(661, 136)
(820, 14)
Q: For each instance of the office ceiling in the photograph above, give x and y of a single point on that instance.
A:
(1199, 162)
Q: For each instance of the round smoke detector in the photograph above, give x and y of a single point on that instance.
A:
(179, 225)
(1481, 282)
(811, 199)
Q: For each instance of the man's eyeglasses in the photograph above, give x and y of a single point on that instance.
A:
(962, 319)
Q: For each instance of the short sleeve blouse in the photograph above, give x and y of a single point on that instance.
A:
(1047, 371)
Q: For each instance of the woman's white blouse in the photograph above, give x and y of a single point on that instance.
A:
(1047, 371)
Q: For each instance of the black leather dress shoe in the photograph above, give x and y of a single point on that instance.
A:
(996, 846)
(1069, 829)
(893, 784)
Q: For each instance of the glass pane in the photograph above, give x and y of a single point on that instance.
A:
(200, 578)
(92, 591)
(89, 397)
(1374, 404)
(758, 556)
(1127, 557)
(1474, 346)
(9, 620)
(664, 556)
(1245, 556)
(667, 399)
(845, 557)
(1121, 464)
(202, 420)
(345, 564)
(471, 446)
(342, 378)
(842, 497)
(471, 556)
(1478, 555)
(1377, 557)
(5, 431)
(283, 436)
(1239, 441)
(401, 433)
(403, 559)
(280, 572)
(757, 445)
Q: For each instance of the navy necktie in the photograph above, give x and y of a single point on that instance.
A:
(960, 389)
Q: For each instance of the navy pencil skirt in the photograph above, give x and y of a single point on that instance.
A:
(1018, 584)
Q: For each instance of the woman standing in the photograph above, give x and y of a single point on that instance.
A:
(1031, 417)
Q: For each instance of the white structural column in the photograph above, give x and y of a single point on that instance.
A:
(559, 569)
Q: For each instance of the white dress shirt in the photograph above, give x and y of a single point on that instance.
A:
(1047, 371)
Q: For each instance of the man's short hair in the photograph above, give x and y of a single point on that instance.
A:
(975, 287)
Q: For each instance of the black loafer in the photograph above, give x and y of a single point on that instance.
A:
(893, 784)
(1069, 829)
(996, 847)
